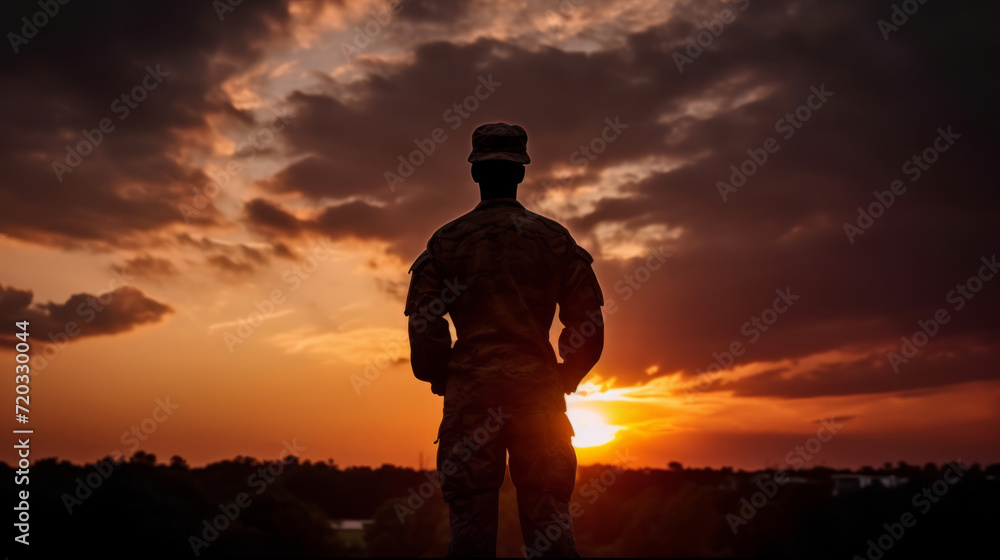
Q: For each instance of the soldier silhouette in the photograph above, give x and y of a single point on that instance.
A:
(499, 271)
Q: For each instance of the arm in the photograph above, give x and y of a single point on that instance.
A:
(582, 338)
(430, 339)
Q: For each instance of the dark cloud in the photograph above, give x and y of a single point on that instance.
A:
(284, 251)
(783, 229)
(204, 244)
(257, 256)
(944, 362)
(72, 74)
(236, 258)
(331, 177)
(265, 216)
(81, 315)
(241, 259)
(253, 256)
(230, 266)
(148, 266)
(436, 11)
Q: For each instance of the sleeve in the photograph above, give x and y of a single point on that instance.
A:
(430, 339)
(581, 341)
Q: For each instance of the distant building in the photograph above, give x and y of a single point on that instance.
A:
(351, 532)
(761, 477)
(853, 482)
(350, 524)
(729, 484)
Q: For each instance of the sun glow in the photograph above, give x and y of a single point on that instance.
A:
(591, 428)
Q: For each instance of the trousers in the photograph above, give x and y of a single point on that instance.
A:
(472, 459)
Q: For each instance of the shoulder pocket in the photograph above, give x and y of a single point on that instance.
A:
(423, 259)
(595, 285)
(414, 272)
(583, 254)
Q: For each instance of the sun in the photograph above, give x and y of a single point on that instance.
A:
(591, 428)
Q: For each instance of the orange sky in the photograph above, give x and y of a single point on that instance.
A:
(306, 229)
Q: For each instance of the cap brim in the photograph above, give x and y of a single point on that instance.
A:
(502, 156)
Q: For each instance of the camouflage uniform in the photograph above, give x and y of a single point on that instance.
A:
(499, 271)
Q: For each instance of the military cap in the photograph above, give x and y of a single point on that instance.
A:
(499, 141)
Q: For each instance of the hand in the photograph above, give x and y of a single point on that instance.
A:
(438, 387)
(568, 386)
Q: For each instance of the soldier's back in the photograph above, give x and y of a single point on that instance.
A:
(507, 266)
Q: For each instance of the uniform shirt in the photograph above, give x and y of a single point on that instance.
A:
(499, 271)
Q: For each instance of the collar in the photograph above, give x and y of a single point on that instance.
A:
(492, 202)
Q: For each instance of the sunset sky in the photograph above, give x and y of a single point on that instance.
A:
(204, 162)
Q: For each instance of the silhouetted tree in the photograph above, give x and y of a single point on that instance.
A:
(140, 457)
(157, 509)
(178, 462)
